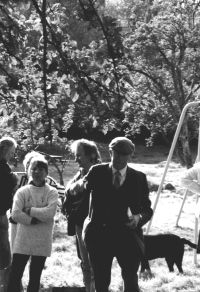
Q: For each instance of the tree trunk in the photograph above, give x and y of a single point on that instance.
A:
(183, 147)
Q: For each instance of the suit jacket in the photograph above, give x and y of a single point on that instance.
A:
(110, 206)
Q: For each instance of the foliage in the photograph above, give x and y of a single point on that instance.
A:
(75, 63)
(163, 57)
(80, 80)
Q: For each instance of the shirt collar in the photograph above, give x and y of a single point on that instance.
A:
(122, 171)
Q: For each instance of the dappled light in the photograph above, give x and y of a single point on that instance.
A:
(97, 70)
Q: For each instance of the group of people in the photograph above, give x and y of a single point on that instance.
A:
(106, 205)
(30, 204)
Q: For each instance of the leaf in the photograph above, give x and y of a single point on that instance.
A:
(107, 82)
(74, 95)
(88, 97)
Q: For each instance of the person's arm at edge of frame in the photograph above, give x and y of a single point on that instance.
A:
(190, 179)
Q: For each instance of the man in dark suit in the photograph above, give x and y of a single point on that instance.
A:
(116, 190)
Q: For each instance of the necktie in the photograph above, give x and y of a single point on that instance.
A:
(117, 179)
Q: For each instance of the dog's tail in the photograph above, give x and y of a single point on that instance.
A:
(191, 244)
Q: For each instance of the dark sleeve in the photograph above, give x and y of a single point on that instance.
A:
(68, 200)
(8, 185)
(73, 180)
(89, 179)
(145, 209)
(67, 203)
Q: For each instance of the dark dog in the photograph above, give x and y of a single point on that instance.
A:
(168, 246)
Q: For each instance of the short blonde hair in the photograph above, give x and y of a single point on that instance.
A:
(28, 157)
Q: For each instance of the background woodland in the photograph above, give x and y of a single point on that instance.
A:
(97, 69)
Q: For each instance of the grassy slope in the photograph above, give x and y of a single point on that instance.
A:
(63, 268)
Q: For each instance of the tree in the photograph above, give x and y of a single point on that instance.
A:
(162, 53)
(95, 81)
(55, 81)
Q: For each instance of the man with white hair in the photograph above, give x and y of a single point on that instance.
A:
(76, 203)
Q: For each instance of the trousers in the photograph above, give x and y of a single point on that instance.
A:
(5, 254)
(18, 265)
(105, 243)
(88, 276)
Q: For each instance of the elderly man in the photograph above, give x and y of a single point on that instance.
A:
(116, 189)
(76, 203)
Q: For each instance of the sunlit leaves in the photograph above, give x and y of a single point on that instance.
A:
(163, 56)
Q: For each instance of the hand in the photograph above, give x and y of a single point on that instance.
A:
(133, 221)
(27, 210)
(76, 187)
(35, 221)
(11, 220)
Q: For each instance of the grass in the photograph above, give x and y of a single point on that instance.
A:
(63, 267)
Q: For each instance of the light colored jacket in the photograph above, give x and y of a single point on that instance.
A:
(34, 239)
(191, 179)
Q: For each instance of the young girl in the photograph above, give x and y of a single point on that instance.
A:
(34, 208)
